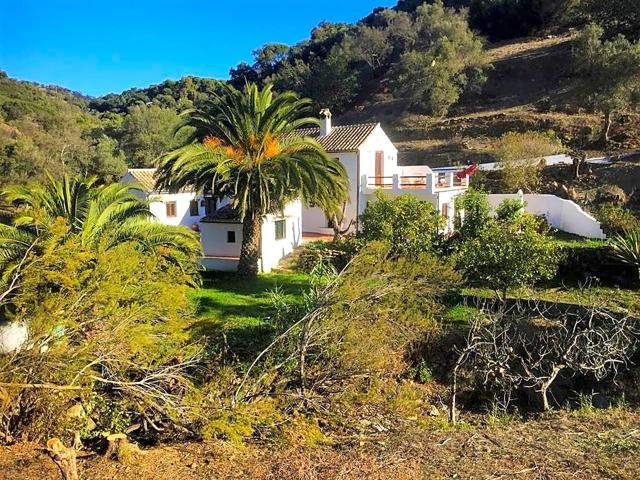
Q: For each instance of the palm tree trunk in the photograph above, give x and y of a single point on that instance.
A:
(250, 250)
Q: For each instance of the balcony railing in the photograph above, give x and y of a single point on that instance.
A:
(380, 182)
(430, 183)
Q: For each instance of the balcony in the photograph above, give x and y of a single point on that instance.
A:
(434, 182)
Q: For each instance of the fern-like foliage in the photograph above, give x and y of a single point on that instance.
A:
(626, 247)
(100, 216)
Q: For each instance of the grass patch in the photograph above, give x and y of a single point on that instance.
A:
(564, 239)
(236, 310)
(618, 299)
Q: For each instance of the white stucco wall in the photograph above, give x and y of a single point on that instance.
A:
(562, 214)
(357, 164)
(159, 209)
(158, 205)
(213, 237)
(273, 251)
(314, 218)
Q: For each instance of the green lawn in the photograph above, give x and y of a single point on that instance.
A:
(620, 299)
(564, 239)
(236, 310)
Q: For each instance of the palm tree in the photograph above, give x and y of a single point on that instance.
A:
(100, 216)
(244, 146)
(626, 247)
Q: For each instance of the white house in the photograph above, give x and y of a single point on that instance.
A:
(219, 226)
(371, 161)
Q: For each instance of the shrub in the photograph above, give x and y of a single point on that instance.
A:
(626, 248)
(409, 226)
(611, 194)
(108, 328)
(357, 341)
(477, 212)
(320, 255)
(510, 210)
(506, 256)
(520, 155)
(616, 219)
(584, 264)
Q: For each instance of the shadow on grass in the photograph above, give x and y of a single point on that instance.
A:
(234, 312)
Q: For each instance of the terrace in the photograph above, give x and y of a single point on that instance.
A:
(434, 181)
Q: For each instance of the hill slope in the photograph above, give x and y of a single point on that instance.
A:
(527, 89)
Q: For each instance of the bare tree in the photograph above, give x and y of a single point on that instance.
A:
(529, 348)
(338, 223)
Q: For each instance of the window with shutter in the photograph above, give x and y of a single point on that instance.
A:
(172, 210)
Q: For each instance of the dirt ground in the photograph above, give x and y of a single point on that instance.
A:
(601, 445)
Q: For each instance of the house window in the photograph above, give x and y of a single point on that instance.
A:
(281, 229)
(172, 210)
(231, 236)
(194, 210)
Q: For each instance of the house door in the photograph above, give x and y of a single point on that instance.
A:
(379, 168)
(210, 205)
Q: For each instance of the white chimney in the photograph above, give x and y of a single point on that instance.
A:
(325, 122)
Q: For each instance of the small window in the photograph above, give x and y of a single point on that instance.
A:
(281, 229)
(194, 209)
(231, 236)
(172, 211)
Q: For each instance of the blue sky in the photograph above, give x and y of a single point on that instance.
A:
(97, 47)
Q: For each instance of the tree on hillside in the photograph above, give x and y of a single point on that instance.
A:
(99, 217)
(504, 19)
(615, 17)
(445, 60)
(147, 133)
(266, 61)
(370, 46)
(609, 71)
(244, 145)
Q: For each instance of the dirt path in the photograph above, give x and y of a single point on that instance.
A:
(561, 446)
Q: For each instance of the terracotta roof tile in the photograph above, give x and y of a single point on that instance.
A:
(226, 214)
(146, 177)
(347, 138)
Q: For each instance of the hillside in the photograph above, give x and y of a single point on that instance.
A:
(527, 89)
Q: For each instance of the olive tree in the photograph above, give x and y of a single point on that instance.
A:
(610, 73)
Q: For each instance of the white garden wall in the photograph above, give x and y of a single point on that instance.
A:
(562, 214)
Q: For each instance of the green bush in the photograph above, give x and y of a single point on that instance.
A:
(520, 154)
(409, 226)
(505, 256)
(321, 255)
(477, 212)
(109, 328)
(616, 219)
(510, 210)
(583, 264)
